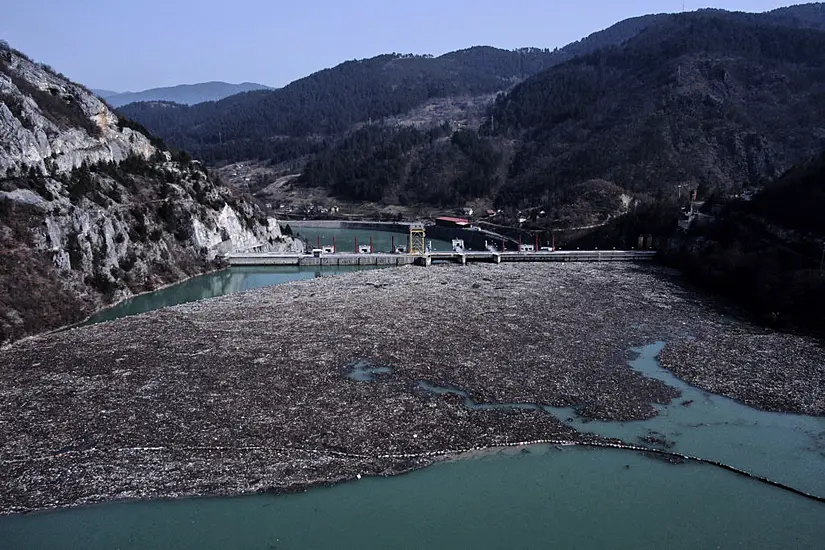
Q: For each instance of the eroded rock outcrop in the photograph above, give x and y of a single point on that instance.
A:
(93, 209)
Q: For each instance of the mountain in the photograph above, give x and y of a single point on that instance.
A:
(811, 14)
(287, 123)
(704, 100)
(93, 209)
(708, 100)
(331, 101)
(103, 93)
(185, 94)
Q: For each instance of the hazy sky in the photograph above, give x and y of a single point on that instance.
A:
(136, 44)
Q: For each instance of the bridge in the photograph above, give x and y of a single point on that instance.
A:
(426, 259)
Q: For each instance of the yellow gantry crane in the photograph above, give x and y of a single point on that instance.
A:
(417, 236)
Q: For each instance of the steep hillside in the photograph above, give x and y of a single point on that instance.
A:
(93, 210)
(260, 124)
(702, 101)
(710, 100)
(766, 253)
(812, 14)
(185, 94)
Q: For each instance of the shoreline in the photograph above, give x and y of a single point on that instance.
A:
(436, 457)
(113, 305)
(248, 393)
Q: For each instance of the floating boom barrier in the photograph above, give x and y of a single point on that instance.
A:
(434, 454)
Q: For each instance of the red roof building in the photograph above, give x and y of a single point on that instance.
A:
(446, 221)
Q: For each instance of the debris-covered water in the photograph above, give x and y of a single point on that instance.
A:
(220, 283)
(497, 337)
(538, 498)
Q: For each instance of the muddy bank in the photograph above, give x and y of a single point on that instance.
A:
(250, 392)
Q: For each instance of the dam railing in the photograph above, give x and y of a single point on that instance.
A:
(387, 259)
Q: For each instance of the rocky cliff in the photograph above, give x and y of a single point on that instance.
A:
(93, 209)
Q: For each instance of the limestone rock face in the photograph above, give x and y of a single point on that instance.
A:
(93, 210)
(72, 127)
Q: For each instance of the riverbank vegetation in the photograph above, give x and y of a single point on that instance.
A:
(767, 253)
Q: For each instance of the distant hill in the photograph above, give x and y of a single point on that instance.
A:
(103, 93)
(331, 101)
(186, 94)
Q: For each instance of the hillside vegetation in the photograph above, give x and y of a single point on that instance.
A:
(710, 100)
(282, 123)
(93, 209)
(766, 254)
(703, 101)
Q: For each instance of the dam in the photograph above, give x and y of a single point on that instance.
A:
(427, 259)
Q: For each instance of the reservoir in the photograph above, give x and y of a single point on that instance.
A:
(540, 498)
(536, 496)
(240, 279)
(219, 283)
(345, 238)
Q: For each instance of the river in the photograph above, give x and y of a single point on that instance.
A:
(537, 496)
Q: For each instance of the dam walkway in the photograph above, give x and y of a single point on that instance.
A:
(463, 258)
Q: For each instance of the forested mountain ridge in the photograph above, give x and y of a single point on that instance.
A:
(701, 101)
(185, 94)
(281, 123)
(766, 253)
(93, 209)
(708, 100)
(331, 101)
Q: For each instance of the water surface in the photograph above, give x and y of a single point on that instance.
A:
(536, 497)
(788, 448)
(543, 498)
(211, 285)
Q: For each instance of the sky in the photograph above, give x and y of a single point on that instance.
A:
(132, 45)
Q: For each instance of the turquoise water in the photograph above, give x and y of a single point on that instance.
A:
(235, 279)
(519, 498)
(533, 497)
(239, 279)
(787, 448)
(543, 498)
(364, 371)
